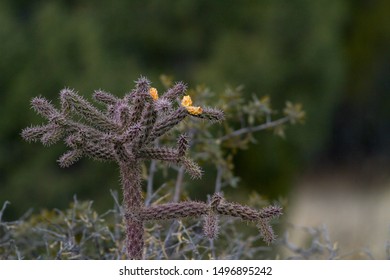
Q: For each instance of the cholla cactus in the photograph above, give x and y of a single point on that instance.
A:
(125, 133)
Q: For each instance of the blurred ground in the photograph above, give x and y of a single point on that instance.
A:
(352, 203)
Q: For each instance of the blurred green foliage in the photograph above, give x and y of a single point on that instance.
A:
(327, 55)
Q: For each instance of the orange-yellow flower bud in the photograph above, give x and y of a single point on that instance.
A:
(194, 110)
(186, 101)
(153, 92)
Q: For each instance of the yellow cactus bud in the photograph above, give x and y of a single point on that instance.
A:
(194, 110)
(186, 101)
(153, 92)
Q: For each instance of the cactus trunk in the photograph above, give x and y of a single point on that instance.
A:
(132, 203)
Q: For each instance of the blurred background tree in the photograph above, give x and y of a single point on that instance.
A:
(332, 56)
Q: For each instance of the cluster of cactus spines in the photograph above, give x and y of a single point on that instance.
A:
(125, 132)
